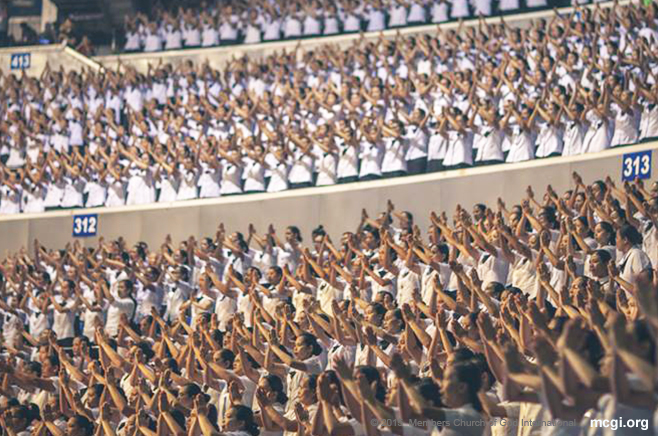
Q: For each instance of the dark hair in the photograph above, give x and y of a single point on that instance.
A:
(429, 390)
(84, 423)
(276, 385)
(34, 367)
(192, 389)
(609, 230)
(470, 373)
(583, 220)
(444, 249)
(178, 417)
(279, 271)
(631, 234)
(295, 231)
(604, 255)
(311, 340)
(378, 308)
(462, 354)
(497, 290)
(226, 354)
(129, 284)
(318, 231)
(373, 376)
(245, 414)
(146, 350)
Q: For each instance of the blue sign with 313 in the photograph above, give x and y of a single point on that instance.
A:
(85, 225)
(20, 61)
(636, 165)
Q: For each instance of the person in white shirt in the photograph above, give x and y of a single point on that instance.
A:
(120, 304)
(11, 192)
(173, 37)
(191, 33)
(394, 163)
(633, 261)
(209, 33)
(152, 39)
(254, 27)
(416, 138)
(65, 310)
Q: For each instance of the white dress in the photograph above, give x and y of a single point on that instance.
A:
(168, 188)
(209, 181)
(626, 128)
(439, 12)
(549, 140)
(348, 161)
(573, 139)
(489, 145)
(73, 188)
(231, 179)
(459, 9)
(278, 177)
(649, 122)
(522, 146)
(508, 5)
(10, 200)
(394, 156)
(141, 188)
(187, 189)
(116, 195)
(460, 149)
(326, 163)
(481, 7)
(437, 147)
(597, 137)
(371, 159)
(96, 191)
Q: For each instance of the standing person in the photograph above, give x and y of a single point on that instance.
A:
(416, 137)
(394, 163)
(141, 185)
(460, 142)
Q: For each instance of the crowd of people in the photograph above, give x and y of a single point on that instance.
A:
(534, 319)
(579, 83)
(226, 22)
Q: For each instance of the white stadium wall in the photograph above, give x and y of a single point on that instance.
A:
(338, 208)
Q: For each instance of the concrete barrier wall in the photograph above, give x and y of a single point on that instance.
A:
(338, 208)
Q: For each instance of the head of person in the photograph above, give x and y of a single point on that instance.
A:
(18, 418)
(293, 235)
(375, 313)
(79, 425)
(125, 288)
(240, 418)
(272, 387)
(306, 346)
(224, 358)
(604, 234)
(598, 263)
(628, 237)
(187, 393)
(274, 275)
(461, 383)
(307, 390)
(393, 321)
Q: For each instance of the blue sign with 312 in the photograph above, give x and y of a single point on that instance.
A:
(85, 225)
(20, 61)
(636, 165)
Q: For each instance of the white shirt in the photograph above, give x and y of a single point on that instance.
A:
(116, 308)
(394, 155)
